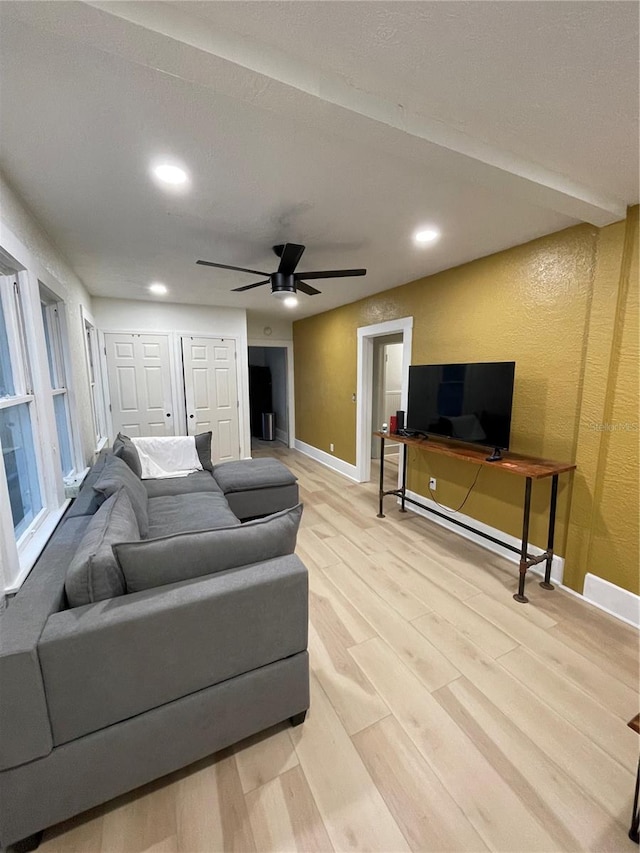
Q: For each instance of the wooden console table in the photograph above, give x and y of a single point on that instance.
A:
(522, 466)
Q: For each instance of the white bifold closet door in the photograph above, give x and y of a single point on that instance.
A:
(139, 373)
(211, 393)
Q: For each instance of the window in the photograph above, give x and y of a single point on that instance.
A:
(51, 310)
(17, 413)
(98, 409)
(39, 444)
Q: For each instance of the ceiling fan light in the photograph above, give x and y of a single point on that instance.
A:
(291, 301)
(284, 294)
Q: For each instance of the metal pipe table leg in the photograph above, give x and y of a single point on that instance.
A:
(524, 565)
(381, 491)
(405, 451)
(546, 583)
(634, 833)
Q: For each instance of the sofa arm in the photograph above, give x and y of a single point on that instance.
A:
(114, 659)
(25, 733)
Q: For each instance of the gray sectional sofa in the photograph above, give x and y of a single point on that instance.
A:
(155, 629)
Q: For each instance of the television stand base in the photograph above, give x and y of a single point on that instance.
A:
(527, 467)
(496, 456)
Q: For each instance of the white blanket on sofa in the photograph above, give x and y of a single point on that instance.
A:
(167, 456)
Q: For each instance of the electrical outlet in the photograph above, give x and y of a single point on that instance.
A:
(331, 447)
(432, 484)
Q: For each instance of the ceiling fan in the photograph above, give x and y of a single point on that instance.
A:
(286, 281)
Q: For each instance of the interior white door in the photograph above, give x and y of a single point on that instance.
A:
(139, 373)
(211, 393)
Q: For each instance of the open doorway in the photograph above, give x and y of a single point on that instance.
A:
(402, 332)
(386, 387)
(268, 394)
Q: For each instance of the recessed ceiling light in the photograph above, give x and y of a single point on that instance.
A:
(426, 235)
(170, 174)
(291, 302)
(158, 288)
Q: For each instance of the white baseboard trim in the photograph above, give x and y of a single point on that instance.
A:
(615, 600)
(281, 435)
(557, 565)
(327, 459)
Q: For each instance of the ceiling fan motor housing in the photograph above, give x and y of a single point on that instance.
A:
(282, 285)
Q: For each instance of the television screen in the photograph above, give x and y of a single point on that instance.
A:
(464, 402)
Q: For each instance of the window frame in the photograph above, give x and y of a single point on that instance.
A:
(54, 329)
(12, 286)
(93, 362)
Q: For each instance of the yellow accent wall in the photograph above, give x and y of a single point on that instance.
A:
(565, 309)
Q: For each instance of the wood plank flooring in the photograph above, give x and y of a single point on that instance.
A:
(444, 715)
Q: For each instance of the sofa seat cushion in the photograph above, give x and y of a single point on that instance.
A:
(170, 514)
(261, 502)
(171, 559)
(94, 573)
(249, 474)
(199, 481)
(115, 475)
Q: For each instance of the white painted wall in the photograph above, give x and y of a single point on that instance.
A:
(124, 315)
(393, 369)
(281, 327)
(387, 381)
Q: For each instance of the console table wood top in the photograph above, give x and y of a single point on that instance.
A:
(512, 463)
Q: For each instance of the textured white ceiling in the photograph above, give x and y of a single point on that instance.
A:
(555, 82)
(287, 118)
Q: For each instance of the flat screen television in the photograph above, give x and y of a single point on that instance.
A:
(463, 402)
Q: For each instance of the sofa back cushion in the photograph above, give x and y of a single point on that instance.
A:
(184, 556)
(203, 449)
(116, 475)
(125, 449)
(94, 573)
(88, 500)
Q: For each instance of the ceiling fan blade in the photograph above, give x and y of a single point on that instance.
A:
(329, 274)
(290, 258)
(250, 286)
(227, 267)
(306, 288)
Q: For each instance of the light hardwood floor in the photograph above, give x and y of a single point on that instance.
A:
(444, 715)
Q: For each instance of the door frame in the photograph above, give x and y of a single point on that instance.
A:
(291, 405)
(364, 387)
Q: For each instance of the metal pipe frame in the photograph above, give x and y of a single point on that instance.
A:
(526, 560)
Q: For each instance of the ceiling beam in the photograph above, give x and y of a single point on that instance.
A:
(170, 39)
